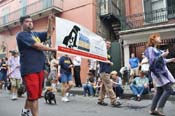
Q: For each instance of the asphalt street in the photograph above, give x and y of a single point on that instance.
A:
(82, 106)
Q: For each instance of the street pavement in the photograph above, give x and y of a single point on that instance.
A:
(81, 106)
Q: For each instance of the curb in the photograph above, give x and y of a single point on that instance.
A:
(128, 95)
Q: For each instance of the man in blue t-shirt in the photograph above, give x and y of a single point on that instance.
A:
(106, 88)
(134, 65)
(32, 61)
(65, 72)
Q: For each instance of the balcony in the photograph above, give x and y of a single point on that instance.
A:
(37, 9)
(109, 7)
(146, 19)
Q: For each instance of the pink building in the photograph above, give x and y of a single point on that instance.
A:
(80, 11)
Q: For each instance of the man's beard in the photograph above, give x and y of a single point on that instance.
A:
(29, 28)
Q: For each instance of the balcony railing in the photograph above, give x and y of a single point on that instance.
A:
(147, 18)
(31, 9)
(109, 7)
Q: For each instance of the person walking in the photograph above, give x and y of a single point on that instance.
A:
(77, 69)
(65, 74)
(32, 61)
(3, 72)
(14, 75)
(160, 74)
(106, 88)
(52, 78)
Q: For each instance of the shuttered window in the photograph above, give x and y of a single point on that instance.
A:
(155, 11)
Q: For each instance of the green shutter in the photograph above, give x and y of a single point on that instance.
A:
(147, 10)
(115, 53)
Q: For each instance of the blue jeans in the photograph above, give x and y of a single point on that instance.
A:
(138, 90)
(161, 96)
(118, 91)
(88, 88)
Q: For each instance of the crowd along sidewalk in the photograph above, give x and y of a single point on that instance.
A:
(127, 93)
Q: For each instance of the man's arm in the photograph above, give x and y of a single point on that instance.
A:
(42, 47)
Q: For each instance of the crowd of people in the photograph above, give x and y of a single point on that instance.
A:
(29, 67)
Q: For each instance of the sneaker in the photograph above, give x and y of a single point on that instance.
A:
(14, 97)
(65, 99)
(102, 103)
(117, 104)
(118, 98)
(67, 94)
(25, 112)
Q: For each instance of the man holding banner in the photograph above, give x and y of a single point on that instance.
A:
(105, 70)
(75, 39)
(32, 61)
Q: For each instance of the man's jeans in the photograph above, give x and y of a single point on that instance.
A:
(118, 91)
(138, 90)
(88, 88)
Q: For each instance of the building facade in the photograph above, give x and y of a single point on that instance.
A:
(79, 11)
(142, 18)
(98, 16)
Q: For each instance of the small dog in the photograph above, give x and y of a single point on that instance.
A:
(49, 96)
(21, 90)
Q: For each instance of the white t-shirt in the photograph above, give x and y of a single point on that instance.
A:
(93, 64)
(14, 65)
(145, 66)
(77, 61)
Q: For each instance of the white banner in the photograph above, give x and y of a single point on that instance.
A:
(72, 38)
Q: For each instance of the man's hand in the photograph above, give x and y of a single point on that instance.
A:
(51, 17)
(71, 66)
(146, 85)
(53, 49)
(164, 54)
(109, 62)
(173, 60)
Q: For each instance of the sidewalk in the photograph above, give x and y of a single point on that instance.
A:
(127, 93)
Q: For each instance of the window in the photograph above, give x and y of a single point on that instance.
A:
(171, 8)
(104, 7)
(23, 7)
(5, 13)
(46, 4)
(155, 11)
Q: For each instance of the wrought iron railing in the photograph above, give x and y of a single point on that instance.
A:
(109, 7)
(147, 18)
(30, 9)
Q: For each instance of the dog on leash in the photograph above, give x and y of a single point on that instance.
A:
(21, 90)
(49, 96)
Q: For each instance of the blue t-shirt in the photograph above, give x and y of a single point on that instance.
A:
(31, 59)
(138, 81)
(105, 67)
(65, 62)
(134, 62)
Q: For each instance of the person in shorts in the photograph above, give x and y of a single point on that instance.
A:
(65, 73)
(14, 73)
(32, 61)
